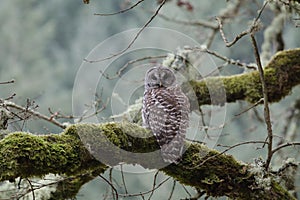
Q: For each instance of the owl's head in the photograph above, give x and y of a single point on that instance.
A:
(158, 77)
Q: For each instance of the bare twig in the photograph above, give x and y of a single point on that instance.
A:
(111, 185)
(229, 148)
(121, 11)
(32, 189)
(202, 23)
(266, 104)
(154, 183)
(120, 71)
(134, 39)
(123, 179)
(111, 181)
(29, 105)
(184, 188)
(249, 108)
(224, 58)
(10, 97)
(31, 112)
(239, 36)
(59, 115)
(253, 26)
(147, 192)
(95, 104)
(7, 82)
(172, 190)
(285, 145)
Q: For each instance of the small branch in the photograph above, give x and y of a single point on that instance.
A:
(147, 192)
(59, 115)
(120, 71)
(229, 148)
(125, 66)
(121, 11)
(281, 74)
(224, 58)
(32, 112)
(285, 145)
(249, 108)
(172, 190)
(153, 186)
(266, 101)
(134, 39)
(113, 189)
(237, 38)
(31, 188)
(186, 191)
(123, 179)
(253, 26)
(202, 23)
(111, 185)
(7, 82)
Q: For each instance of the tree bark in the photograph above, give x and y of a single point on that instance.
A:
(26, 155)
(282, 73)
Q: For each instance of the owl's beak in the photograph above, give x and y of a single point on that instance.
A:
(160, 84)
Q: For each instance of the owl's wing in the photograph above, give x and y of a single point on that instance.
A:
(146, 108)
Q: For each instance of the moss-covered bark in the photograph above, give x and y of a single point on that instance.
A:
(27, 155)
(282, 73)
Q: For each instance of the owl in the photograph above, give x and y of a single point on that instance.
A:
(165, 112)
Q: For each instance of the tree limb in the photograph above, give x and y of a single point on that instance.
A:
(27, 155)
(282, 73)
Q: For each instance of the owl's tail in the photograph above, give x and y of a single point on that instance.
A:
(172, 151)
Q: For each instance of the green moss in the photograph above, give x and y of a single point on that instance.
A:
(235, 87)
(281, 75)
(112, 143)
(27, 155)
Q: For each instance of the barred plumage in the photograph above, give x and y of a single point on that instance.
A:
(165, 112)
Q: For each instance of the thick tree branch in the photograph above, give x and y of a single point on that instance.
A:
(27, 155)
(282, 73)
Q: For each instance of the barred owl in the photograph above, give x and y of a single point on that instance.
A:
(165, 112)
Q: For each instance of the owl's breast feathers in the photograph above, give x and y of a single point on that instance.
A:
(166, 113)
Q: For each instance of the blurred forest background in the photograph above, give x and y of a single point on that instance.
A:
(43, 43)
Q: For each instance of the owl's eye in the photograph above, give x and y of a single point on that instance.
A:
(165, 76)
(153, 77)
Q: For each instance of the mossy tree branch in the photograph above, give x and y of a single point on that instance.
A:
(282, 73)
(27, 155)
